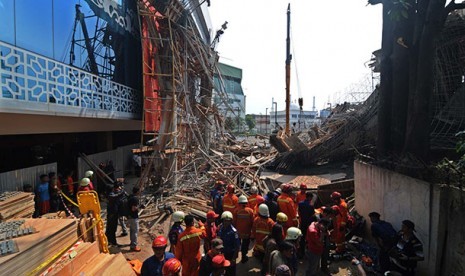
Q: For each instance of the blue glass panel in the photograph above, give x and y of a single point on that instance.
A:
(64, 13)
(7, 21)
(34, 26)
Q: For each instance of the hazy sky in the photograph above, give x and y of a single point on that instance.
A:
(330, 41)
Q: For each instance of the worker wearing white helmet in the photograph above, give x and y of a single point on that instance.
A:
(89, 175)
(261, 228)
(176, 229)
(243, 221)
(84, 185)
(228, 234)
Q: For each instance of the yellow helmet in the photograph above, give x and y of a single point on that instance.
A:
(281, 217)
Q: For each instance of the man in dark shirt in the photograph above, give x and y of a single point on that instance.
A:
(385, 236)
(206, 267)
(154, 264)
(306, 212)
(408, 250)
(133, 218)
(270, 201)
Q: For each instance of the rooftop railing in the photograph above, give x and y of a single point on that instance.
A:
(34, 84)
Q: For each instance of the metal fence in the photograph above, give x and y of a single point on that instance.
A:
(121, 158)
(14, 180)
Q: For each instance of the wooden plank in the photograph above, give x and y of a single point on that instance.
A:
(118, 266)
(85, 253)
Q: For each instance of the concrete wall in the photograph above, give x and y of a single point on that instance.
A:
(398, 197)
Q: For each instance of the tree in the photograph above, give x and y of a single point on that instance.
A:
(250, 121)
(410, 32)
(229, 124)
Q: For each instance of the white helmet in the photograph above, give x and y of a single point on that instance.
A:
(293, 233)
(263, 210)
(85, 182)
(178, 216)
(89, 174)
(254, 190)
(243, 199)
(227, 215)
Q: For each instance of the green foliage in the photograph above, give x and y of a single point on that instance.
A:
(229, 124)
(454, 171)
(399, 10)
(250, 121)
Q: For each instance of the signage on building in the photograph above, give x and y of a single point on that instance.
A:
(121, 19)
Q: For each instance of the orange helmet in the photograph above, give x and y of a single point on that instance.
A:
(171, 267)
(303, 186)
(159, 241)
(231, 188)
(335, 195)
(286, 188)
(212, 215)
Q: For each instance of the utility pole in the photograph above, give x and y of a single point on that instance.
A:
(288, 69)
(275, 104)
(266, 121)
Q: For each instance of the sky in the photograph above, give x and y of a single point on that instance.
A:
(331, 41)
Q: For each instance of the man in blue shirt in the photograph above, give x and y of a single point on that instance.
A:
(228, 234)
(306, 213)
(153, 265)
(385, 236)
(43, 195)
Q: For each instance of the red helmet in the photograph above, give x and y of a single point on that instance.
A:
(335, 195)
(211, 215)
(159, 241)
(335, 208)
(286, 188)
(171, 267)
(260, 200)
(303, 186)
(231, 188)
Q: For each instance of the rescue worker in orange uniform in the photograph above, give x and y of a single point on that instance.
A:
(230, 200)
(254, 198)
(288, 206)
(188, 247)
(261, 228)
(243, 221)
(301, 195)
(340, 225)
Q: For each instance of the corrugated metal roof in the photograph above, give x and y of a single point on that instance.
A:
(230, 71)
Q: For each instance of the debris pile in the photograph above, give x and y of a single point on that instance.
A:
(348, 128)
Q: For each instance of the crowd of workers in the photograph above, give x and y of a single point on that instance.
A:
(282, 226)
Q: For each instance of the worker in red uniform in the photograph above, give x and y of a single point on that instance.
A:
(301, 194)
(340, 225)
(261, 228)
(254, 198)
(287, 206)
(260, 200)
(243, 221)
(230, 200)
(210, 230)
(188, 247)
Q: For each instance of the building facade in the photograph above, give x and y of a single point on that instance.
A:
(228, 95)
(70, 79)
(298, 119)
